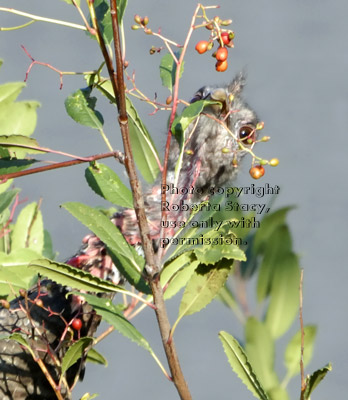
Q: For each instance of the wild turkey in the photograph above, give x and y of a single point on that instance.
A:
(212, 154)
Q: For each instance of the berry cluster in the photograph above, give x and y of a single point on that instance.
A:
(141, 23)
(223, 38)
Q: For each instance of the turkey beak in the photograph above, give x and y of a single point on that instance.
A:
(220, 96)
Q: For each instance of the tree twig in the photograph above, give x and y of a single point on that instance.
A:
(152, 268)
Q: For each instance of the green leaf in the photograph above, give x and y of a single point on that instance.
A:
(28, 231)
(105, 182)
(18, 118)
(168, 70)
(123, 255)
(113, 316)
(293, 350)
(190, 113)
(93, 356)
(284, 296)
(81, 108)
(313, 380)
(47, 250)
(269, 224)
(75, 352)
(278, 248)
(14, 269)
(241, 366)
(6, 199)
(88, 396)
(278, 393)
(13, 144)
(177, 273)
(260, 348)
(74, 277)
(204, 284)
(19, 339)
(10, 91)
(144, 151)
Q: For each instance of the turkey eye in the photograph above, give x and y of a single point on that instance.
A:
(246, 132)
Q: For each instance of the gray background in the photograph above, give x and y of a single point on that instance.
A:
(296, 57)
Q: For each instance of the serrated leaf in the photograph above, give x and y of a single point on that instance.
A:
(28, 231)
(314, 379)
(6, 199)
(204, 284)
(168, 70)
(81, 108)
(260, 348)
(9, 91)
(241, 366)
(73, 277)
(292, 355)
(113, 316)
(75, 352)
(279, 246)
(93, 356)
(123, 255)
(284, 296)
(18, 118)
(13, 144)
(144, 150)
(105, 182)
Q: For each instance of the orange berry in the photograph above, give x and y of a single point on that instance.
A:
(257, 171)
(202, 46)
(221, 54)
(225, 37)
(221, 66)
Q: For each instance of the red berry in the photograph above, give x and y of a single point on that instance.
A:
(257, 171)
(225, 37)
(221, 66)
(202, 46)
(221, 54)
(76, 324)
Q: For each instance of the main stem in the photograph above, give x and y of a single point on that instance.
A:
(153, 268)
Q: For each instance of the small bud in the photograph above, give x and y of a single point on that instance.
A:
(169, 99)
(210, 45)
(265, 139)
(231, 35)
(137, 19)
(264, 162)
(230, 97)
(135, 27)
(145, 21)
(260, 125)
(217, 19)
(5, 304)
(225, 150)
(235, 162)
(210, 26)
(214, 54)
(153, 50)
(189, 152)
(226, 22)
(125, 64)
(274, 162)
(250, 141)
(23, 292)
(39, 303)
(148, 31)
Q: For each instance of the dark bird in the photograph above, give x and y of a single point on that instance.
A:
(211, 157)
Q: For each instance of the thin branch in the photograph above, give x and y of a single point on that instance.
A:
(43, 19)
(151, 268)
(117, 154)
